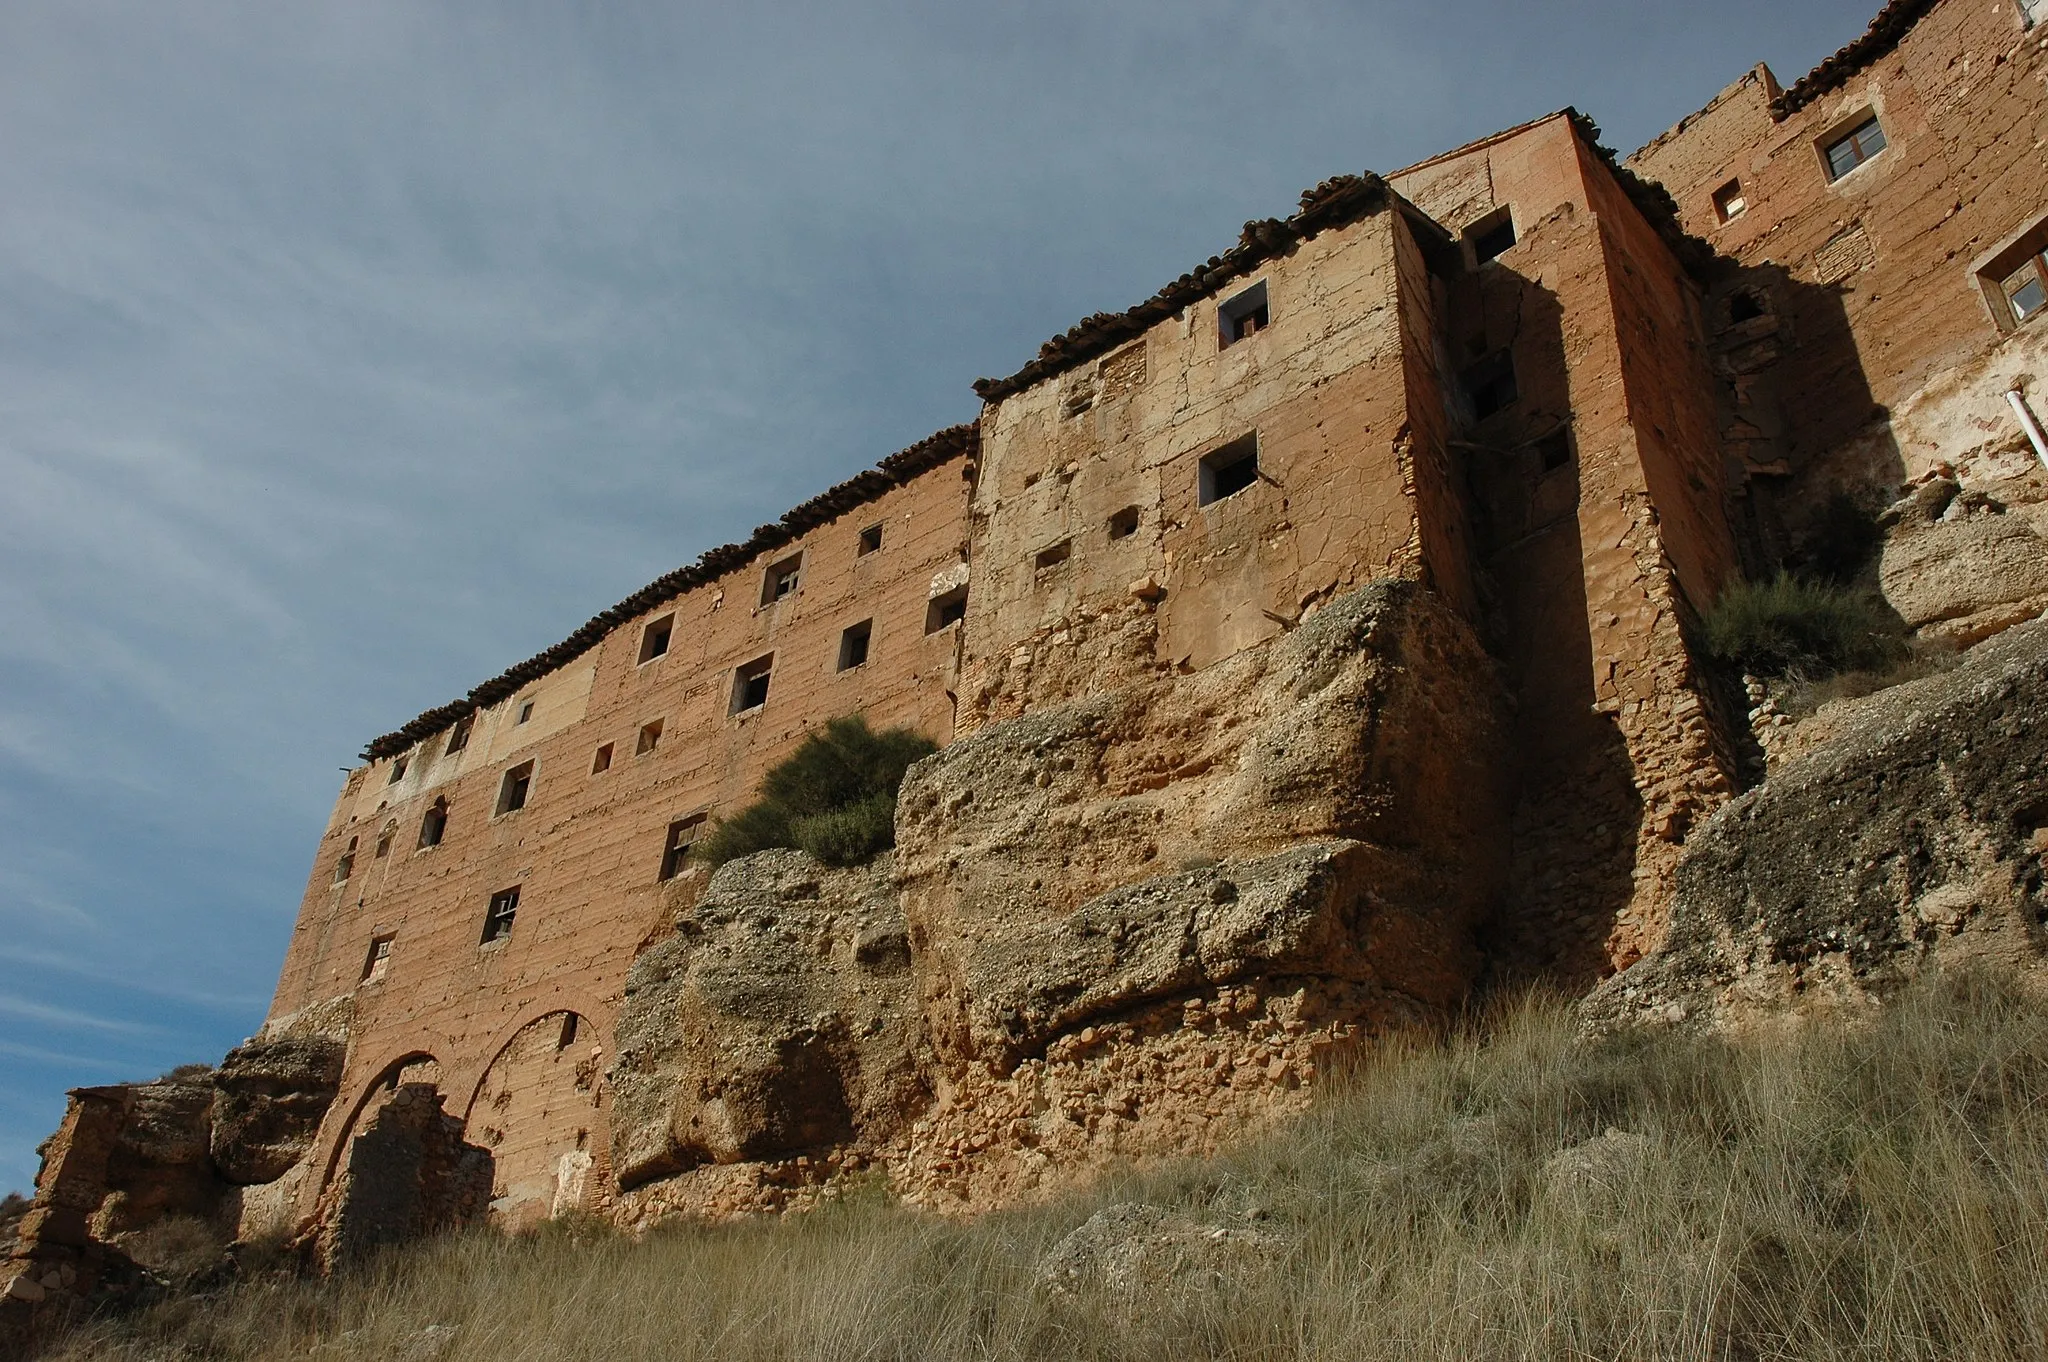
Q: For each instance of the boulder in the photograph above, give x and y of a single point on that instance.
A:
(1912, 836)
(269, 1099)
(777, 1019)
(1326, 804)
(1136, 1252)
(1958, 567)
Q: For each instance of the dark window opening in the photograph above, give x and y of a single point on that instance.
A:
(525, 711)
(513, 789)
(346, 865)
(1491, 236)
(1854, 147)
(384, 841)
(1124, 523)
(1053, 555)
(1491, 384)
(398, 770)
(1227, 471)
(853, 645)
(650, 734)
(378, 960)
(602, 761)
(1244, 315)
(781, 579)
(1744, 307)
(682, 835)
(1555, 450)
(567, 1036)
(654, 638)
(870, 540)
(498, 917)
(946, 610)
(750, 684)
(1730, 202)
(434, 825)
(458, 736)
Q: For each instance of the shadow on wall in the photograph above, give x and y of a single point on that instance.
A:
(1799, 425)
(1576, 807)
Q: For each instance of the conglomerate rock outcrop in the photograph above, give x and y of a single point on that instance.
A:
(1133, 924)
(1912, 836)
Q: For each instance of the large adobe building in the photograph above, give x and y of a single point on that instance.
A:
(1509, 372)
(1568, 398)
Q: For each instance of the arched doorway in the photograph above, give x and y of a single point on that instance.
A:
(537, 1110)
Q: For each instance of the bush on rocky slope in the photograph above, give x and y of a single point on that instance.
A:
(1878, 1190)
(1792, 625)
(835, 796)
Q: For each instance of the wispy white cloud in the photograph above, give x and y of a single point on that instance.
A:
(67, 1018)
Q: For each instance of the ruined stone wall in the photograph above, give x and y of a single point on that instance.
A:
(1095, 562)
(1876, 355)
(586, 851)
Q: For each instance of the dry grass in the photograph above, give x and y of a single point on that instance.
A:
(1870, 1192)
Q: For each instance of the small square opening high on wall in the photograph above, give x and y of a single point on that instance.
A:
(378, 962)
(1227, 471)
(870, 540)
(853, 645)
(750, 684)
(682, 835)
(1491, 384)
(945, 610)
(1124, 523)
(654, 638)
(498, 916)
(1860, 142)
(1730, 202)
(433, 825)
(1052, 556)
(1244, 314)
(1492, 236)
(513, 789)
(458, 736)
(650, 736)
(782, 579)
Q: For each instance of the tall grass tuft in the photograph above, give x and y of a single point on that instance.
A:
(1866, 1191)
(1795, 626)
(834, 797)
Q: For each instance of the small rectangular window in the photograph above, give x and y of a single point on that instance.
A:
(2033, 11)
(650, 735)
(1492, 235)
(1555, 450)
(946, 610)
(378, 960)
(1053, 555)
(870, 540)
(682, 835)
(384, 839)
(566, 1037)
(1854, 147)
(512, 790)
(750, 684)
(2015, 280)
(1124, 523)
(1730, 202)
(498, 917)
(525, 711)
(1243, 315)
(1228, 471)
(458, 736)
(853, 645)
(2024, 290)
(602, 760)
(434, 825)
(781, 579)
(398, 770)
(654, 638)
(345, 865)
(1491, 384)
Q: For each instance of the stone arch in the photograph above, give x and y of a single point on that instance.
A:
(538, 1106)
(383, 1080)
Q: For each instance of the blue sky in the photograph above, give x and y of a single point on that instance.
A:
(351, 352)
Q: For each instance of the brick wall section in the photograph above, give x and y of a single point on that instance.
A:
(1323, 388)
(1879, 356)
(586, 850)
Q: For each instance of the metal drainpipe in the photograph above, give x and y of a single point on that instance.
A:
(2027, 423)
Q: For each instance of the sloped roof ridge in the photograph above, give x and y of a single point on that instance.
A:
(1336, 202)
(1892, 23)
(895, 471)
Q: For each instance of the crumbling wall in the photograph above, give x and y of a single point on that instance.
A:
(408, 1173)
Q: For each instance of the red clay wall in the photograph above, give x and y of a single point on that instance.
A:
(586, 851)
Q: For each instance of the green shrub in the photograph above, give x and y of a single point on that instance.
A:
(834, 797)
(1792, 626)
